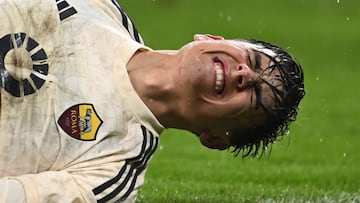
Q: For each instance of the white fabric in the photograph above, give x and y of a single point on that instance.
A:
(86, 54)
(11, 191)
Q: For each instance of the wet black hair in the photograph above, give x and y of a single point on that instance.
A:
(255, 140)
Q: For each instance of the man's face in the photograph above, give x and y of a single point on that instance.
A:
(223, 83)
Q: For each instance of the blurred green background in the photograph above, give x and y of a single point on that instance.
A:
(320, 160)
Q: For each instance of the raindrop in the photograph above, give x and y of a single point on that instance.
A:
(221, 14)
(347, 18)
(229, 18)
(338, 1)
(344, 154)
(321, 140)
(317, 78)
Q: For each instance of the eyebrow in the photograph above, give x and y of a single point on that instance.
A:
(259, 96)
(258, 89)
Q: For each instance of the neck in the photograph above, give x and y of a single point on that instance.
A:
(153, 74)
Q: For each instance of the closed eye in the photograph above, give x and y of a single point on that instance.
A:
(240, 80)
(257, 91)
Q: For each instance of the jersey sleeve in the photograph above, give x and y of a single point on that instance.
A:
(77, 185)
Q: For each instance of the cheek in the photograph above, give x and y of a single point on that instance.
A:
(199, 80)
(219, 116)
(189, 71)
(240, 104)
(206, 115)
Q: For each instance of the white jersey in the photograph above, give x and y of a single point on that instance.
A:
(72, 128)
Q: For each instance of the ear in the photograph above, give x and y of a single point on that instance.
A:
(214, 142)
(199, 37)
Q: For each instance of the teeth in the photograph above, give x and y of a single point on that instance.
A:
(219, 81)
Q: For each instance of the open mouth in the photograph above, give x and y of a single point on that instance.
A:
(219, 76)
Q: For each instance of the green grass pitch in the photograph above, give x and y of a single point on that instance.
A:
(320, 160)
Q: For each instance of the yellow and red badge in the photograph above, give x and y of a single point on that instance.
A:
(81, 122)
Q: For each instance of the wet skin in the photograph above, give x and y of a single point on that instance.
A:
(215, 109)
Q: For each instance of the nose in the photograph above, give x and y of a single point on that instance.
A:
(244, 76)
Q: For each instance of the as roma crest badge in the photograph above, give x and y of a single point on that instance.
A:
(81, 122)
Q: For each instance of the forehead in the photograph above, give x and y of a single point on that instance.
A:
(254, 47)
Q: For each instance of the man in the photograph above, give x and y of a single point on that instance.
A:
(83, 100)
